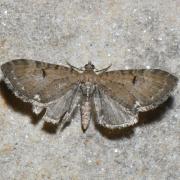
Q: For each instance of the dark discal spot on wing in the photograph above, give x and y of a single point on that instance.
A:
(43, 73)
(134, 80)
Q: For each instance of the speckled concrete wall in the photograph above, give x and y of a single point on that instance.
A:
(126, 33)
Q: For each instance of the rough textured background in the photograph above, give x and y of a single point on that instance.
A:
(128, 34)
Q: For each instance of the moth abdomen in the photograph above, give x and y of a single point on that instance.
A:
(85, 114)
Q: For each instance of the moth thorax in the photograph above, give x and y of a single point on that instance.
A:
(85, 114)
(87, 88)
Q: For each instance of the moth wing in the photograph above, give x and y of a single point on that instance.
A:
(138, 90)
(111, 114)
(64, 106)
(38, 82)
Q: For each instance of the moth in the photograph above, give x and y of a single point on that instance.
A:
(112, 98)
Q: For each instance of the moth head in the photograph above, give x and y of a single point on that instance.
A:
(89, 66)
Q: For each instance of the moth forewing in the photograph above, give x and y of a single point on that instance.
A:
(135, 89)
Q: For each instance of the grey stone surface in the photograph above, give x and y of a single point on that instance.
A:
(126, 33)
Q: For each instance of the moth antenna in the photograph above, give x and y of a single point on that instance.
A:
(73, 67)
(103, 70)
